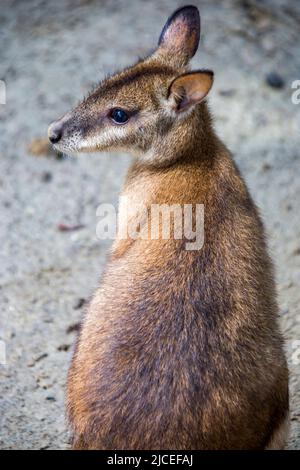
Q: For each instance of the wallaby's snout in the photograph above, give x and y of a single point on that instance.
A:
(65, 133)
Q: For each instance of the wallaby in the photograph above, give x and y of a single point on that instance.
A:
(179, 348)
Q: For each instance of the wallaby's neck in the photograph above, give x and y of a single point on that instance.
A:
(192, 140)
(193, 149)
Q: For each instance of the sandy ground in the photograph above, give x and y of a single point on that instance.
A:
(51, 53)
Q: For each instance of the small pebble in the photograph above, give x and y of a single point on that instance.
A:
(50, 398)
(227, 93)
(274, 80)
(63, 347)
(73, 328)
(37, 359)
(266, 167)
(79, 304)
(46, 177)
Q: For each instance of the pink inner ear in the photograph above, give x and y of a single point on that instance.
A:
(197, 95)
(176, 34)
(180, 35)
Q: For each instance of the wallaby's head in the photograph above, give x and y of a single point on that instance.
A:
(145, 106)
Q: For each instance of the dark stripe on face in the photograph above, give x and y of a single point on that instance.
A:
(131, 76)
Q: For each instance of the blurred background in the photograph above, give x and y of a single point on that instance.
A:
(51, 53)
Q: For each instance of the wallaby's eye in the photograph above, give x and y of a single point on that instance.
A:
(119, 116)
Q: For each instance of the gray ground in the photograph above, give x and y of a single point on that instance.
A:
(51, 52)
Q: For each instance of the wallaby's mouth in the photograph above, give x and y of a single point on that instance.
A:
(67, 146)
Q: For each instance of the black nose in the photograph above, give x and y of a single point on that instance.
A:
(55, 134)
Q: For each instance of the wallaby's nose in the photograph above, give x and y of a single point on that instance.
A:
(55, 132)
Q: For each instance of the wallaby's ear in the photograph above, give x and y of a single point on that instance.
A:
(189, 89)
(180, 36)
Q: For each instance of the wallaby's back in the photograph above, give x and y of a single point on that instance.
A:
(180, 349)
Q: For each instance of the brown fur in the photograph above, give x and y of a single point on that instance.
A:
(178, 349)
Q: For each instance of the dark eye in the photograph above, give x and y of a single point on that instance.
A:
(119, 116)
